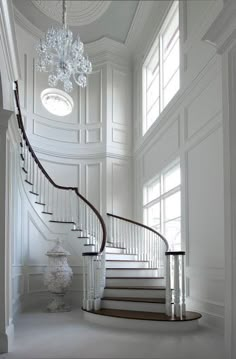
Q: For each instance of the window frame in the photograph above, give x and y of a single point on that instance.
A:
(162, 196)
(158, 44)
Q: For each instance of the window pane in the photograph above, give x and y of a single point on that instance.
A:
(153, 66)
(172, 232)
(172, 178)
(170, 30)
(153, 92)
(153, 215)
(153, 191)
(171, 88)
(171, 64)
(172, 207)
(153, 114)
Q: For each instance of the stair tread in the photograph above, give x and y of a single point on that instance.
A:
(129, 268)
(126, 261)
(134, 277)
(137, 288)
(129, 314)
(136, 299)
(66, 222)
(123, 254)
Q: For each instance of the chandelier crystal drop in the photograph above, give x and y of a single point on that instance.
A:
(62, 58)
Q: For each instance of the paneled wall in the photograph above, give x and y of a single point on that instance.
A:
(190, 128)
(89, 149)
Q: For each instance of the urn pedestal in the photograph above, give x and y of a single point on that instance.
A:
(58, 277)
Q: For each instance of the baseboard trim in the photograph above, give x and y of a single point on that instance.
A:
(6, 339)
(209, 319)
(40, 300)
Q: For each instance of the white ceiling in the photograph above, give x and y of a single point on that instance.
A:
(92, 19)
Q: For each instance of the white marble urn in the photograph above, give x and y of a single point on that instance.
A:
(58, 277)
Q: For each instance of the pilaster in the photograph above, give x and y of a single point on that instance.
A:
(222, 34)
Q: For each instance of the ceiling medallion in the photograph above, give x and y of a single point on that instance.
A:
(63, 58)
(79, 13)
(57, 102)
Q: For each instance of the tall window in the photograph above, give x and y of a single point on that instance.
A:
(161, 69)
(162, 205)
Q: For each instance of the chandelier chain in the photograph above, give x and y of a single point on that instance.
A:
(64, 13)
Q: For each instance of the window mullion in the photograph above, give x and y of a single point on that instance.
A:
(161, 73)
(162, 219)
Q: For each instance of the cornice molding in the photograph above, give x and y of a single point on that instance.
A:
(108, 50)
(138, 22)
(27, 25)
(222, 32)
(82, 156)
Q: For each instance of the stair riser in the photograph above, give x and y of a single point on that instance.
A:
(122, 257)
(114, 250)
(134, 293)
(134, 306)
(131, 273)
(122, 264)
(135, 282)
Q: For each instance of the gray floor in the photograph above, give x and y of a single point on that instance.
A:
(68, 335)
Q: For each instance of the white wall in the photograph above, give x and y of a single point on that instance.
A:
(190, 128)
(89, 149)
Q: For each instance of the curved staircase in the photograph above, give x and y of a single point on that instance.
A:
(129, 273)
(134, 289)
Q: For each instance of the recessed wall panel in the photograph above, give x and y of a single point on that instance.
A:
(119, 98)
(205, 205)
(93, 98)
(93, 184)
(119, 136)
(93, 135)
(54, 133)
(62, 173)
(205, 105)
(164, 148)
(37, 245)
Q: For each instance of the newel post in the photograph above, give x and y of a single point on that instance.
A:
(175, 284)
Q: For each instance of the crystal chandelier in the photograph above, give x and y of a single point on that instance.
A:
(63, 58)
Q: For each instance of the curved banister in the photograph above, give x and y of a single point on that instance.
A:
(75, 189)
(141, 225)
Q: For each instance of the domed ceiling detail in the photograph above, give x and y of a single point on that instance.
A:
(78, 12)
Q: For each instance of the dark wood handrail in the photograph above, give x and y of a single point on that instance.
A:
(141, 225)
(175, 253)
(75, 189)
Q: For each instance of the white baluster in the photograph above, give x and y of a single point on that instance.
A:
(40, 186)
(33, 174)
(110, 227)
(36, 187)
(25, 158)
(114, 231)
(176, 286)
(183, 286)
(168, 285)
(27, 165)
(84, 283)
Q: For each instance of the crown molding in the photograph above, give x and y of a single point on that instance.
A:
(27, 25)
(139, 20)
(108, 50)
(222, 32)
